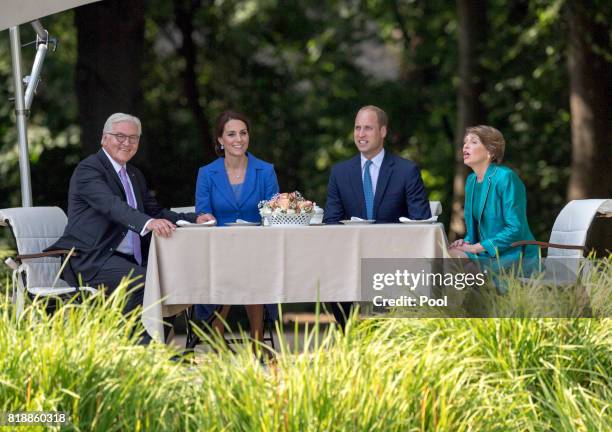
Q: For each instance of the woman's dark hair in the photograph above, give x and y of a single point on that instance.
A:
(221, 121)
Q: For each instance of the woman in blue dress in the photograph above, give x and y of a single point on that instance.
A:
(495, 205)
(230, 188)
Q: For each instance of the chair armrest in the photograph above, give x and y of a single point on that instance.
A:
(546, 245)
(53, 253)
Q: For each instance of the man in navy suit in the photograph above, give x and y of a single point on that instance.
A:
(111, 213)
(375, 185)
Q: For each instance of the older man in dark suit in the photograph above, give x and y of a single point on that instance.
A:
(375, 184)
(111, 212)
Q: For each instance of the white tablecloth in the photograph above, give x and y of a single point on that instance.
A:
(289, 264)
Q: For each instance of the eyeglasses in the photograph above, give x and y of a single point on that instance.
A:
(133, 139)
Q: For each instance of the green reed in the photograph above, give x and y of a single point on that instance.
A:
(384, 374)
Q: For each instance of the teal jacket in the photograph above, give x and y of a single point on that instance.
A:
(502, 217)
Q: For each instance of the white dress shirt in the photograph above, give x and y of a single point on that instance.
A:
(125, 246)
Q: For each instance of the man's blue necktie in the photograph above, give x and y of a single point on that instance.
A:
(367, 190)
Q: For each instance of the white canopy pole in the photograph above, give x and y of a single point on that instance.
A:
(12, 14)
(42, 44)
(20, 115)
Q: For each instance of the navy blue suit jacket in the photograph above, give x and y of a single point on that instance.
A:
(399, 191)
(99, 216)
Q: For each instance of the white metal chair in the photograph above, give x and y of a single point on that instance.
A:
(435, 207)
(36, 272)
(568, 238)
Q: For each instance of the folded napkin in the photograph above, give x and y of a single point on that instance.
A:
(187, 223)
(406, 220)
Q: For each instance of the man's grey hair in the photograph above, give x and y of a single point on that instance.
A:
(118, 118)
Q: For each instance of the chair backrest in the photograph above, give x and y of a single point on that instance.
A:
(571, 228)
(183, 209)
(36, 228)
(436, 208)
(572, 225)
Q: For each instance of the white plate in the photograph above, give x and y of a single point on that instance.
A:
(185, 224)
(357, 222)
(418, 222)
(243, 223)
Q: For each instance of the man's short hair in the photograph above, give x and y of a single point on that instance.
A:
(383, 119)
(118, 118)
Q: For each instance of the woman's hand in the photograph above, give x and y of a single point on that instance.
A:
(205, 218)
(475, 248)
(458, 244)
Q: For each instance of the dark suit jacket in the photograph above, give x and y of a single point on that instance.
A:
(399, 191)
(99, 216)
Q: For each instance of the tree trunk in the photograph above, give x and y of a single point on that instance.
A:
(590, 102)
(472, 25)
(184, 11)
(110, 40)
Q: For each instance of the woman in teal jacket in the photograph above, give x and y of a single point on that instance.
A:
(495, 205)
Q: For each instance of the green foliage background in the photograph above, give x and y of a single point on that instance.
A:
(300, 71)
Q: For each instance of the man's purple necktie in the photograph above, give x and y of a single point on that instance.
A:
(132, 202)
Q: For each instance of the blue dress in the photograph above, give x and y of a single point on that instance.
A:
(215, 195)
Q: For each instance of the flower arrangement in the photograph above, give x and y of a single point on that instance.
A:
(286, 209)
(286, 203)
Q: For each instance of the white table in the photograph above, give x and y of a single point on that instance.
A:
(257, 265)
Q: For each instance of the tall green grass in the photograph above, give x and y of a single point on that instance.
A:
(382, 375)
(5, 271)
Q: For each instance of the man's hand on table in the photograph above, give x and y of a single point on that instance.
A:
(161, 227)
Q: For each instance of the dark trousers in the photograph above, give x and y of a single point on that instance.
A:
(342, 311)
(116, 268)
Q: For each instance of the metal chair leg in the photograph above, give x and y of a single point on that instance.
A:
(192, 339)
(270, 337)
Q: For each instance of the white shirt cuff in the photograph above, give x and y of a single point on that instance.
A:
(145, 231)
